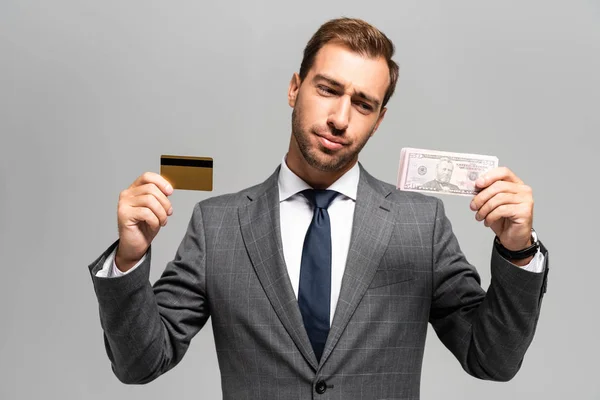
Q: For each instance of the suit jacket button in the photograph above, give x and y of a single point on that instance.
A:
(321, 387)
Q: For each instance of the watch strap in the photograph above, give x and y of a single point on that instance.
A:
(519, 254)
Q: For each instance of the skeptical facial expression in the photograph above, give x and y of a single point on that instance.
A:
(337, 107)
(444, 171)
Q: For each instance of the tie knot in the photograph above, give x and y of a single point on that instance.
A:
(320, 198)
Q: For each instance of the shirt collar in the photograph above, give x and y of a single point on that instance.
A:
(290, 184)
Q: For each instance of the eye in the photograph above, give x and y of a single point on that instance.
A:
(366, 107)
(326, 90)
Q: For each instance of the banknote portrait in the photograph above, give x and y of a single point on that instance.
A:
(443, 175)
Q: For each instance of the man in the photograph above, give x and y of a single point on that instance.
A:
(443, 173)
(318, 293)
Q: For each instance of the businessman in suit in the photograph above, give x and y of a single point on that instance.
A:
(321, 280)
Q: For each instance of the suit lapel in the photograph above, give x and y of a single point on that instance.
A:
(371, 231)
(260, 225)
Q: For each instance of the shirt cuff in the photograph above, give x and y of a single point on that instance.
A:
(536, 264)
(110, 270)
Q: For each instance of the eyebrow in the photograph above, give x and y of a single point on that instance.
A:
(333, 82)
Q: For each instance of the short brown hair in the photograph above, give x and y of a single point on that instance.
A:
(360, 37)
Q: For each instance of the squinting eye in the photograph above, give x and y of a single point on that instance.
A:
(366, 107)
(325, 89)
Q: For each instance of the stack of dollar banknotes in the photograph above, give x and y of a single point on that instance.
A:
(433, 171)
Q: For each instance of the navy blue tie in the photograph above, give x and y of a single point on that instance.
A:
(314, 291)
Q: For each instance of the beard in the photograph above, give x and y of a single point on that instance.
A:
(320, 157)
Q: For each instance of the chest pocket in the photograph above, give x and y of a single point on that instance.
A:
(391, 277)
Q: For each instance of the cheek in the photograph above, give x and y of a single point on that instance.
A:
(364, 128)
(314, 111)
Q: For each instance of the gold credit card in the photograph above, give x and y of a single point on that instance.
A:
(187, 173)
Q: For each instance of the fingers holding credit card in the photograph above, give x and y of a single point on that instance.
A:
(144, 207)
(142, 210)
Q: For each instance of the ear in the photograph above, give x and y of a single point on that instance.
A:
(295, 83)
(379, 119)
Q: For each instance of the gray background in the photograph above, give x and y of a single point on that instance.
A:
(92, 93)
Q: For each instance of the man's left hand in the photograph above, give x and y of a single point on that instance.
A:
(505, 204)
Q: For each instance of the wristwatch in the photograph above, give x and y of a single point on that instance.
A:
(519, 254)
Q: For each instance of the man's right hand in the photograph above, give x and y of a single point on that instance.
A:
(142, 210)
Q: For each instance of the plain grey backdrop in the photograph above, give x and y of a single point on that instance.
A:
(92, 93)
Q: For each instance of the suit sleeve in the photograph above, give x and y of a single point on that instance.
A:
(147, 329)
(488, 333)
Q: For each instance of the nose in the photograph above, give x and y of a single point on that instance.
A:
(339, 118)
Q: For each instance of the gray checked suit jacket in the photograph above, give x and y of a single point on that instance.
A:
(404, 269)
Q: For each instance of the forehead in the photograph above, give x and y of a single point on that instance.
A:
(353, 70)
(445, 164)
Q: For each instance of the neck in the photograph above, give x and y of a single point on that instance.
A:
(316, 178)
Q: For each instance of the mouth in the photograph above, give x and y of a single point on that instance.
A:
(331, 143)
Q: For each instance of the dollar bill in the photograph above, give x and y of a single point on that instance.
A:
(433, 171)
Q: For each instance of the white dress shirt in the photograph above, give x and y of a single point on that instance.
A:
(296, 213)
